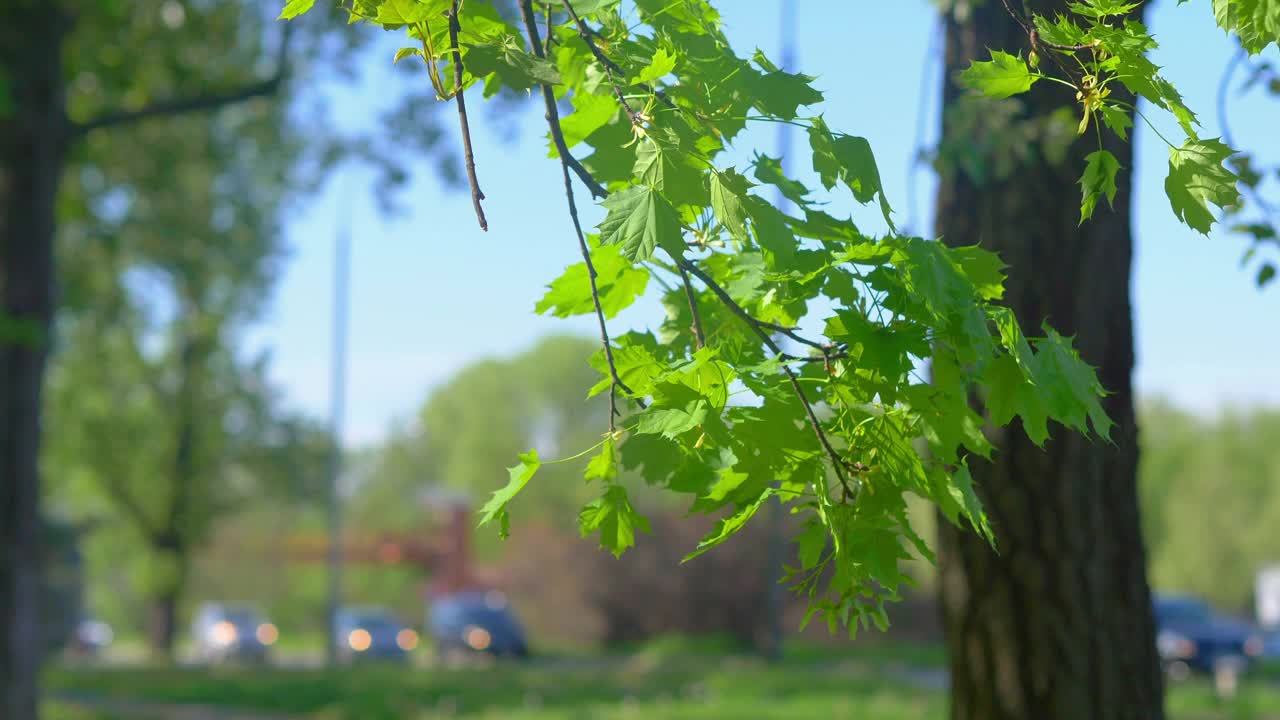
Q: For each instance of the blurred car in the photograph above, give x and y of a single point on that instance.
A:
(476, 622)
(366, 634)
(90, 638)
(226, 633)
(1190, 637)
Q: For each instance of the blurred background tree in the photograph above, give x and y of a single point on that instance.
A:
(1210, 491)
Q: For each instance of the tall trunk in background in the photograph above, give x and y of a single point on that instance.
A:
(32, 146)
(165, 600)
(1057, 625)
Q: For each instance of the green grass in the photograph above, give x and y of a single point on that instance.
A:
(660, 683)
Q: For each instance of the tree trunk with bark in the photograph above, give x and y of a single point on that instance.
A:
(1058, 624)
(32, 148)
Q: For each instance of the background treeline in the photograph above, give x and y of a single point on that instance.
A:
(1203, 478)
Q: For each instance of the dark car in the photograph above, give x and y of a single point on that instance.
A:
(476, 622)
(367, 634)
(1192, 638)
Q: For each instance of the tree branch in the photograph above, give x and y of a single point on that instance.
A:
(198, 103)
(553, 113)
(696, 326)
(468, 155)
(758, 327)
(553, 121)
(610, 67)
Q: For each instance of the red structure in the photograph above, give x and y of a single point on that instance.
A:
(443, 555)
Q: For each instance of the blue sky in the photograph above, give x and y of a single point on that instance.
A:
(431, 292)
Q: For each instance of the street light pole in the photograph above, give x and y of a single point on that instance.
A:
(773, 651)
(337, 409)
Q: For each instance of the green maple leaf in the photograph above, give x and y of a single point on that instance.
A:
(984, 269)
(1101, 9)
(496, 508)
(618, 281)
(1003, 76)
(513, 66)
(780, 93)
(603, 466)
(1117, 119)
(639, 221)
(294, 8)
(958, 499)
(728, 194)
(662, 64)
(673, 170)
(729, 526)
(847, 158)
(813, 541)
(1010, 393)
(1256, 22)
(1071, 386)
(1197, 178)
(676, 409)
(636, 366)
(769, 170)
(590, 113)
(614, 518)
(1099, 179)
(409, 12)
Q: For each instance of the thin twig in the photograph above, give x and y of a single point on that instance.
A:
(553, 113)
(696, 326)
(610, 67)
(546, 43)
(824, 348)
(468, 156)
(1017, 17)
(758, 327)
(553, 120)
(1034, 37)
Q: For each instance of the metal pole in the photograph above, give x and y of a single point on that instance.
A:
(337, 408)
(773, 650)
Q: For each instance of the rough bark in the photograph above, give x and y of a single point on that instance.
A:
(32, 146)
(1058, 624)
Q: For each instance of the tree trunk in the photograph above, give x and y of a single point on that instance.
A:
(32, 146)
(162, 623)
(1058, 624)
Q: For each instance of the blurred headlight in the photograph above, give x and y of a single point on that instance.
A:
(223, 633)
(1172, 645)
(476, 637)
(267, 634)
(1253, 646)
(407, 639)
(96, 633)
(359, 640)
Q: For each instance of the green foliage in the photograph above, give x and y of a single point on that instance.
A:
(1110, 51)
(1198, 179)
(1002, 76)
(752, 390)
(1210, 477)
(1255, 22)
(521, 474)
